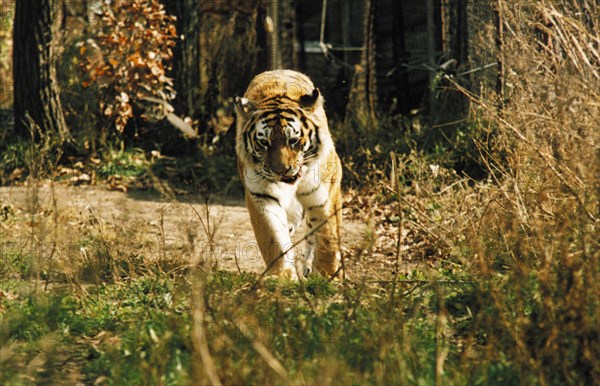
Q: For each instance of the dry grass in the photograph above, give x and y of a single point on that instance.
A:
(457, 281)
(526, 238)
(534, 240)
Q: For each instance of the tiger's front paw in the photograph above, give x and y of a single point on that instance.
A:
(330, 266)
(306, 271)
(288, 274)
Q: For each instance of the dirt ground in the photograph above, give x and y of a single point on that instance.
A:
(145, 217)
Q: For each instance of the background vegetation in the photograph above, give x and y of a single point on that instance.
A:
(499, 207)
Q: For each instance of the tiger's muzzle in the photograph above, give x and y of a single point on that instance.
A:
(290, 175)
(291, 179)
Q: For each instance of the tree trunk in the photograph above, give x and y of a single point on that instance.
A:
(362, 101)
(36, 90)
(431, 62)
(274, 31)
(289, 34)
(389, 36)
(186, 56)
(400, 75)
(369, 61)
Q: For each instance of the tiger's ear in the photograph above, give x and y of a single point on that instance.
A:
(309, 101)
(244, 106)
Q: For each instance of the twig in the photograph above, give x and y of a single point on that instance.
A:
(262, 350)
(424, 215)
(200, 341)
(420, 281)
(396, 180)
(521, 136)
(209, 230)
(237, 263)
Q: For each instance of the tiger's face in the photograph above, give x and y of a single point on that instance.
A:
(279, 138)
(280, 141)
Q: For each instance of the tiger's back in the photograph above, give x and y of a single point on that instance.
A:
(289, 167)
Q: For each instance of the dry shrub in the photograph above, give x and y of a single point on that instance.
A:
(535, 248)
(129, 57)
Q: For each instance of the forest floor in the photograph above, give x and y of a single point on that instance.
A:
(99, 285)
(156, 227)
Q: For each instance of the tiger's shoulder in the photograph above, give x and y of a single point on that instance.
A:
(286, 85)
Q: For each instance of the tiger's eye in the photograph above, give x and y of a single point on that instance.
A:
(293, 141)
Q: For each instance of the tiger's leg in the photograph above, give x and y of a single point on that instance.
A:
(270, 224)
(295, 215)
(323, 208)
(309, 256)
(327, 221)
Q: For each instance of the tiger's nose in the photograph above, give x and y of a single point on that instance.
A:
(289, 171)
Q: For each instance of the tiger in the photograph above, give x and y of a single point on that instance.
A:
(290, 170)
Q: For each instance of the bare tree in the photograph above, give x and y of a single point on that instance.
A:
(363, 94)
(274, 38)
(36, 90)
(186, 55)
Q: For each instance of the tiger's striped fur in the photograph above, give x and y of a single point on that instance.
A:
(290, 170)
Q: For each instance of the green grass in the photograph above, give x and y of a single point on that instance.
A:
(139, 331)
(123, 162)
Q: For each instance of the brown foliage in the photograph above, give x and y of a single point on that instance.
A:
(129, 57)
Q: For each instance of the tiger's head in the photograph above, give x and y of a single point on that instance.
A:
(278, 134)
